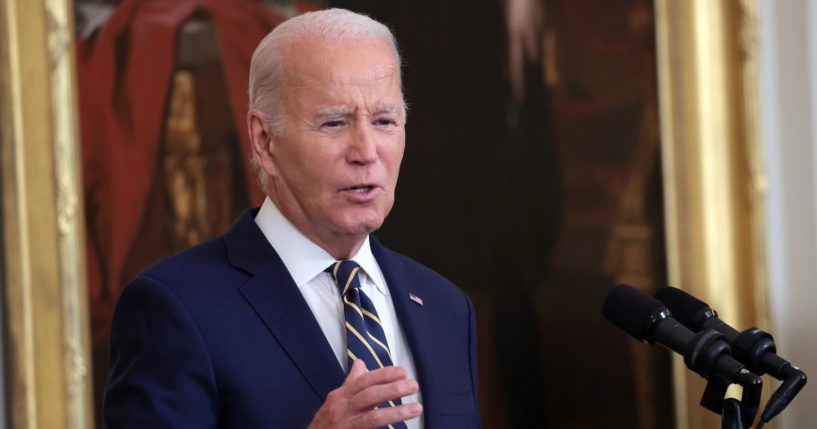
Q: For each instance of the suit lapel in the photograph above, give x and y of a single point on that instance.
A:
(416, 324)
(276, 299)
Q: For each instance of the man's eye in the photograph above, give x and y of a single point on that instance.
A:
(333, 124)
(383, 122)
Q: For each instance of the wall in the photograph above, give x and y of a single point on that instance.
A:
(788, 59)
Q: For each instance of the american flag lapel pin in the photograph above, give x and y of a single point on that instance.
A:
(416, 299)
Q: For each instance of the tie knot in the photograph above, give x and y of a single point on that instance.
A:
(345, 274)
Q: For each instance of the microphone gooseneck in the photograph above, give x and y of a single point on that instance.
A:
(753, 347)
(707, 353)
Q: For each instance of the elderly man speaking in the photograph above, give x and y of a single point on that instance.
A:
(297, 317)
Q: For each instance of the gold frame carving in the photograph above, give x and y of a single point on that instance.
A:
(47, 373)
(713, 181)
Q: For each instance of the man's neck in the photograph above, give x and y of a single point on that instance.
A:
(340, 247)
(340, 252)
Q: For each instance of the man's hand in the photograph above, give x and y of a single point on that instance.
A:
(353, 404)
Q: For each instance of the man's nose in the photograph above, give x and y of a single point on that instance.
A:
(364, 145)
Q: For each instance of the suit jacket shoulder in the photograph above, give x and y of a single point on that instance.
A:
(212, 337)
(220, 336)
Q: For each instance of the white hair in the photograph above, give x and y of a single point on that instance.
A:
(266, 68)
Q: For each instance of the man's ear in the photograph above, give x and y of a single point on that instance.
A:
(262, 140)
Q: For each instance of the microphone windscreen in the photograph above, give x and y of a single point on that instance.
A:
(631, 310)
(683, 306)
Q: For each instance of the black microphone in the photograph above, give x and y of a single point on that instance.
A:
(753, 347)
(646, 319)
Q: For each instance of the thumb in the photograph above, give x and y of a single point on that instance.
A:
(358, 369)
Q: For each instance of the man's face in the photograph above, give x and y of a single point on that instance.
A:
(335, 168)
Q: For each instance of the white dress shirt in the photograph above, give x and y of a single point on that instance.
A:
(306, 262)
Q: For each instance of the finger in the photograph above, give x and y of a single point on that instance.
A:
(385, 416)
(372, 396)
(378, 376)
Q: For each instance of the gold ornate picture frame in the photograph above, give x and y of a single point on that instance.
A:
(714, 185)
(46, 322)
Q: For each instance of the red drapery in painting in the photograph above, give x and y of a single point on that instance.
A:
(125, 73)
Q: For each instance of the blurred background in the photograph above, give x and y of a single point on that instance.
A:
(555, 148)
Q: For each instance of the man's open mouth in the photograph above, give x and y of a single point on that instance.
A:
(362, 189)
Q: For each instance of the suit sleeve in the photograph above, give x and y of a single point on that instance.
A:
(161, 374)
(472, 355)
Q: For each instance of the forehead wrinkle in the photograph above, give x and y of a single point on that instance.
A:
(343, 103)
(311, 81)
(371, 76)
(313, 73)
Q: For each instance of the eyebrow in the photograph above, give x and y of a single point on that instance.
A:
(335, 114)
(392, 109)
(331, 115)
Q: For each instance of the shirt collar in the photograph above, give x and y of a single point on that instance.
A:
(302, 257)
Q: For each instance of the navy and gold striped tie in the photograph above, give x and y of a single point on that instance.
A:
(365, 338)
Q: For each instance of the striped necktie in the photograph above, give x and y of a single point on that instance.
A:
(365, 338)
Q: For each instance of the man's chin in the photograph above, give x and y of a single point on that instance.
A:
(364, 226)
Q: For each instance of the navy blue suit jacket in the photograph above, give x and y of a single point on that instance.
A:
(220, 336)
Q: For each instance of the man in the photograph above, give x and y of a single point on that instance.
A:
(298, 317)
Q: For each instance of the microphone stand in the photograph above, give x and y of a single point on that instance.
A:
(756, 348)
(753, 346)
(730, 416)
(703, 357)
(734, 413)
